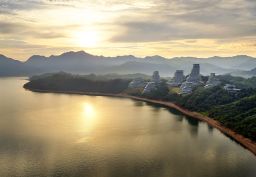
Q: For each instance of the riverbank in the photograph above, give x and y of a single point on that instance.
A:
(247, 143)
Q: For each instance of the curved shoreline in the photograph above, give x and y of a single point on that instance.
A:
(246, 142)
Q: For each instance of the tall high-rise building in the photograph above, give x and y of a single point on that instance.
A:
(177, 79)
(195, 74)
(156, 77)
(179, 76)
(192, 81)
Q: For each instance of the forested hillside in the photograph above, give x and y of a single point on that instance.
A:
(67, 82)
(239, 115)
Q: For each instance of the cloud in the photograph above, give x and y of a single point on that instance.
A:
(9, 28)
(29, 30)
(8, 43)
(188, 25)
(13, 6)
(193, 19)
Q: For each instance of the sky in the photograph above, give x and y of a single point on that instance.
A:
(199, 28)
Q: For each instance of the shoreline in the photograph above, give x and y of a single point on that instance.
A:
(246, 142)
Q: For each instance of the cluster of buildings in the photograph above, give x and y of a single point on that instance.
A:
(193, 80)
(153, 84)
(147, 86)
(186, 84)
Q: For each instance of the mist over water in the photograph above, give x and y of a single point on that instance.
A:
(44, 134)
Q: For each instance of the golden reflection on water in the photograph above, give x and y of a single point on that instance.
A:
(89, 111)
(89, 116)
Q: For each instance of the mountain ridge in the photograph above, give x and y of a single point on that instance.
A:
(82, 62)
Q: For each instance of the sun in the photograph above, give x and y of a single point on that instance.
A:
(86, 38)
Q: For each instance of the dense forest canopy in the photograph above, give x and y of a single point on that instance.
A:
(68, 82)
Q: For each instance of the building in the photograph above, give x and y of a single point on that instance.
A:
(151, 86)
(137, 83)
(156, 77)
(177, 79)
(231, 88)
(193, 80)
(195, 76)
(212, 81)
(186, 87)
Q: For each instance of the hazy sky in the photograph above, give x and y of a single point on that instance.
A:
(120, 27)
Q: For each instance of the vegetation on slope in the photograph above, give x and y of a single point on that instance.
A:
(67, 82)
(240, 82)
(239, 115)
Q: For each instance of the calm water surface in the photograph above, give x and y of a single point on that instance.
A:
(93, 136)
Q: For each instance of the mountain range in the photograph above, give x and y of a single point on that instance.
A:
(84, 63)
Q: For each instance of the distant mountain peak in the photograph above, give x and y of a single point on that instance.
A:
(126, 56)
(5, 58)
(78, 53)
(2, 56)
(242, 56)
(154, 57)
(36, 56)
(253, 70)
(231, 57)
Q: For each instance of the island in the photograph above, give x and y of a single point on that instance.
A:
(225, 102)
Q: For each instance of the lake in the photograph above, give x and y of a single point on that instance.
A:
(45, 134)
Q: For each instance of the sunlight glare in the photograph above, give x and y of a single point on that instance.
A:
(86, 38)
(89, 111)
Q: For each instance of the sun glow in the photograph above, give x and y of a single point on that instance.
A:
(86, 38)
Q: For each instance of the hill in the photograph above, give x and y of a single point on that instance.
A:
(247, 74)
(239, 115)
(11, 67)
(67, 82)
